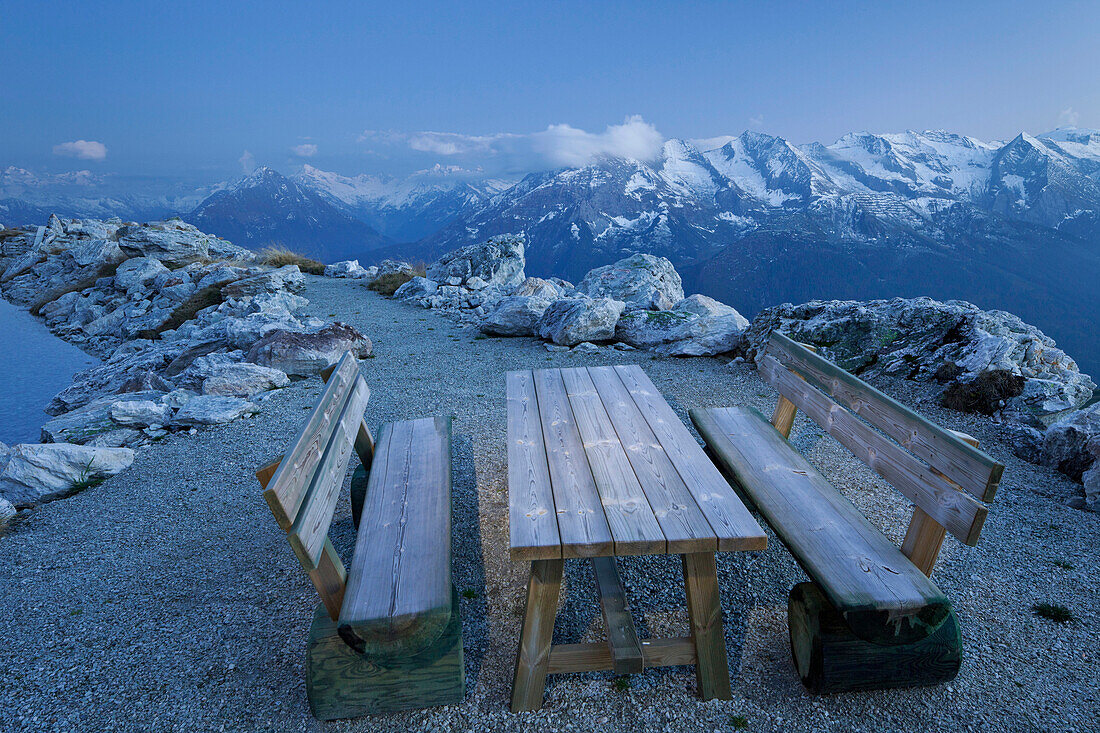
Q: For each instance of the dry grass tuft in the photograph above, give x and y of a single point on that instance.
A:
(185, 311)
(985, 393)
(278, 255)
(388, 284)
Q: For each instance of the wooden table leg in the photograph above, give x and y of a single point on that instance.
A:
(533, 658)
(705, 614)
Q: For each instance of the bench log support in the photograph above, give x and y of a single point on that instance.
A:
(830, 658)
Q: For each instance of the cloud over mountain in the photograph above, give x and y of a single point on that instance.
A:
(83, 149)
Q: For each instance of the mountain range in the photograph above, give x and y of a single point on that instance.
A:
(751, 219)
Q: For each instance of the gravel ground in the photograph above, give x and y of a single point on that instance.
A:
(167, 598)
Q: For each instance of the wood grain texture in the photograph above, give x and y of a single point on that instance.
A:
(342, 683)
(683, 523)
(885, 598)
(596, 656)
(622, 638)
(625, 506)
(783, 416)
(398, 597)
(532, 519)
(310, 528)
(533, 656)
(582, 526)
(705, 617)
(330, 579)
(731, 522)
(961, 462)
(830, 658)
(288, 487)
(943, 500)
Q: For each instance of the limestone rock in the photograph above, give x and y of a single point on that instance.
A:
(642, 281)
(243, 380)
(213, 410)
(417, 288)
(345, 269)
(516, 315)
(35, 473)
(7, 511)
(287, 277)
(175, 243)
(982, 356)
(137, 273)
(499, 262)
(306, 354)
(695, 326)
(140, 413)
(570, 321)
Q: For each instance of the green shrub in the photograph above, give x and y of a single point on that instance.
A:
(1053, 612)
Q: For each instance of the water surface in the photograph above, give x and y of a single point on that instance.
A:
(34, 366)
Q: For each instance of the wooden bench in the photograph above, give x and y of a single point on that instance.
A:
(871, 618)
(388, 633)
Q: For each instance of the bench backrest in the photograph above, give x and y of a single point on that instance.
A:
(942, 472)
(302, 486)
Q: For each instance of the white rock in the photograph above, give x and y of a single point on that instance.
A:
(586, 347)
(243, 380)
(498, 262)
(516, 315)
(140, 413)
(7, 511)
(642, 281)
(212, 410)
(305, 354)
(288, 277)
(570, 321)
(345, 269)
(40, 472)
(418, 287)
(138, 273)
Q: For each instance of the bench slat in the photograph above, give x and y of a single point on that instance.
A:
(292, 479)
(581, 521)
(864, 575)
(729, 519)
(685, 527)
(532, 521)
(398, 595)
(971, 468)
(629, 516)
(943, 500)
(310, 529)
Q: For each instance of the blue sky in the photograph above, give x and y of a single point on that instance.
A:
(186, 88)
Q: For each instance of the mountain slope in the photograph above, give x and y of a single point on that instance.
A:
(267, 208)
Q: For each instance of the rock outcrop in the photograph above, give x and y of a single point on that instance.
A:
(695, 326)
(641, 281)
(1072, 446)
(570, 321)
(989, 361)
(35, 473)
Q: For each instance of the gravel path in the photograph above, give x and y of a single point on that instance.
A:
(167, 598)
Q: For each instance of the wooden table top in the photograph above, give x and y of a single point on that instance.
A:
(600, 465)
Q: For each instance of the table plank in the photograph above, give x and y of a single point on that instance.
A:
(629, 516)
(685, 527)
(532, 520)
(728, 517)
(582, 525)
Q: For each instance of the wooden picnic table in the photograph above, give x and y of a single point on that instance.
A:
(600, 466)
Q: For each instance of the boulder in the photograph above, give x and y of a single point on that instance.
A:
(1071, 444)
(499, 263)
(985, 358)
(175, 243)
(137, 273)
(7, 511)
(35, 473)
(645, 329)
(287, 277)
(212, 410)
(220, 275)
(242, 379)
(306, 354)
(417, 288)
(346, 269)
(388, 267)
(516, 315)
(642, 281)
(91, 420)
(695, 326)
(536, 287)
(570, 321)
(140, 413)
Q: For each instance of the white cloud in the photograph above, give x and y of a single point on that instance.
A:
(305, 150)
(247, 161)
(83, 149)
(756, 121)
(556, 146)
(1069, 116)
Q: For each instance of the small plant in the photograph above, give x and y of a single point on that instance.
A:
(480, 337)
(76, 611)
(1065, 565)
(1054, 612)
(389, 283)
(469, 593)
(279, 255)
(86, 480)
(621, 684)
(739, 722)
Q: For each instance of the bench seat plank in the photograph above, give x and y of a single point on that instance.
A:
(883, 597)
(398, 596)
(532, 521)
(732, 523)
(629, 516)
